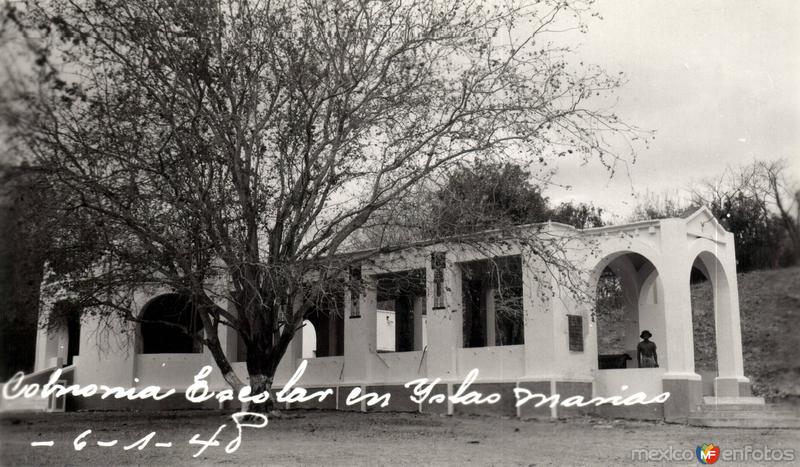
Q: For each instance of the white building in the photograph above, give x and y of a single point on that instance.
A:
(449, 324)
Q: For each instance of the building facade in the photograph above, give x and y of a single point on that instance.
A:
(441, 310)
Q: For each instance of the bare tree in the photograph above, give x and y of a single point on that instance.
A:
(782, 193)
(755, 201)
(249, 140)
(660, 206)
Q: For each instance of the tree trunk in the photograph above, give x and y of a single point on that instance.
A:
(214, 346)
(224, 364)
(261, 378)
(263, 357)
(266, 345)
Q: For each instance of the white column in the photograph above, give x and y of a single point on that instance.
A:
(41, 350)
(360, 333)
(51, 342)
(444, 323)
(539, 319)
(677, 302)
(727, 320)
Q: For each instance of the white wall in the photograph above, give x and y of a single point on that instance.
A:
(611, 382)
(385, 329)
(499, 363)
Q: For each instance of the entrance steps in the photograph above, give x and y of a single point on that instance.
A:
(744, 412)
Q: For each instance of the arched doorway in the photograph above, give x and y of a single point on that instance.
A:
(628, 301)
(309, 340)
(710, 320)
(325, 320)
(67, 315)
(170, 324)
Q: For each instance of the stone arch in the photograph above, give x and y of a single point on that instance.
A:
(640, 306)
(162, 318)
(328, 328)
(725, 314)
(612, 248)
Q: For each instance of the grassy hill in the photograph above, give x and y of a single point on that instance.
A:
(769, 303)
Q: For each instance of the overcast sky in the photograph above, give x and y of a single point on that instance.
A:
(719, 82)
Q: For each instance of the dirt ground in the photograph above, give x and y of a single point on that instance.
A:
(339, 438)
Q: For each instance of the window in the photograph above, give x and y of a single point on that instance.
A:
(492, 311)
(401, 311)
(575, 333)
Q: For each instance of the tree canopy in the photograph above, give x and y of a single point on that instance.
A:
(497, 195)
(246, 142)
(487, 196)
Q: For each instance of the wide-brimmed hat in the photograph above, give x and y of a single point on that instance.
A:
(646, 334)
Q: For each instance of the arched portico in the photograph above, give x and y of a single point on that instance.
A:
(673, 247)
(628, 301)
(327, 325)
(727, 328)
(169, 324)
